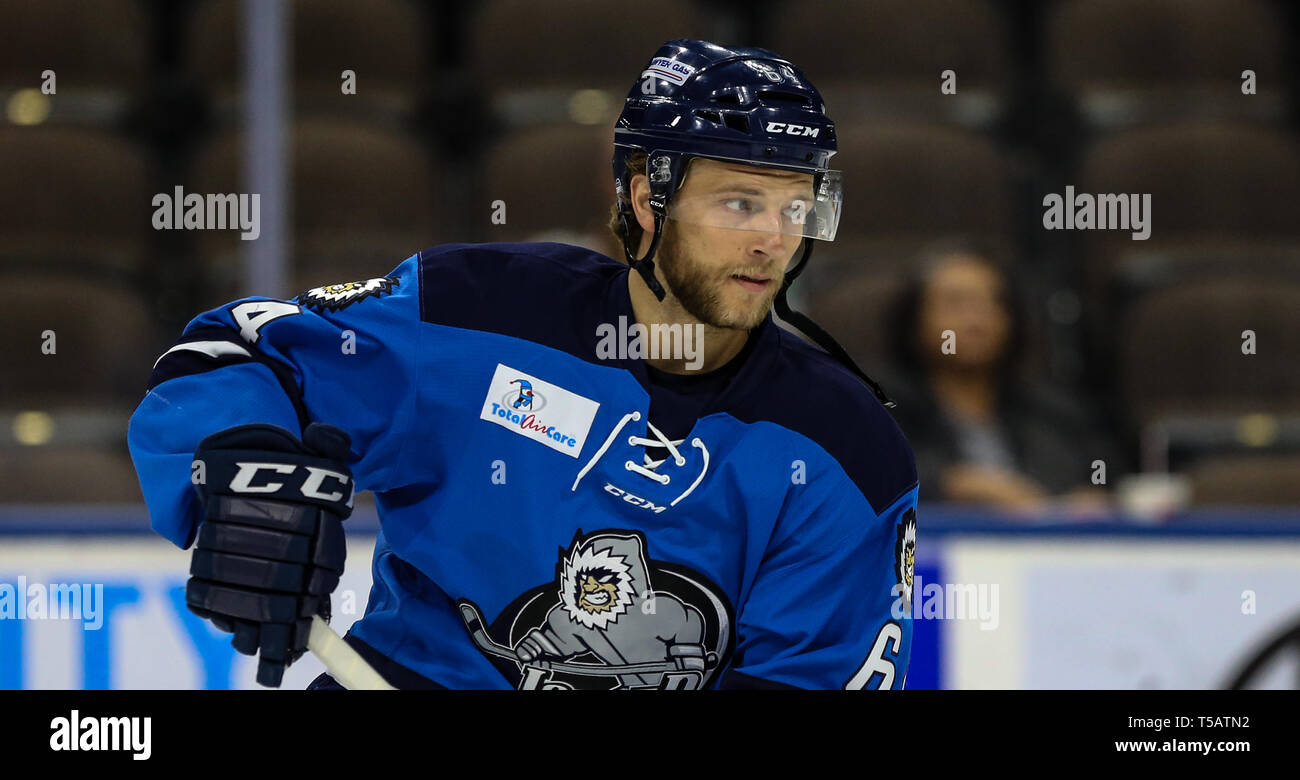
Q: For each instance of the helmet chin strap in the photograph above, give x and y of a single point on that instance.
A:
(814, 331)
(645, 265)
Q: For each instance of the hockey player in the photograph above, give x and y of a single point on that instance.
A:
(554, 513)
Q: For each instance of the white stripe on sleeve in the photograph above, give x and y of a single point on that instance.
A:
(213, 349)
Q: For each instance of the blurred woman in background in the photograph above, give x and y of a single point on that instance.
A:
(983, 432)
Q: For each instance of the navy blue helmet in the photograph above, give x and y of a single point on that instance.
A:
(699, 99)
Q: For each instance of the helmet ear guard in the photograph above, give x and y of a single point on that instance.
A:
(663, 172)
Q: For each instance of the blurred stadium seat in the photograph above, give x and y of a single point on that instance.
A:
(48, 475)
(906, 184)
(383, 42)
(98, 52)
(1134, 61)
(552, 179)
(1208, 182)
(1140, 271)
(65, 454)
(583, 65)
(1179, 440)
(102, 340)
(75, 199)
(884, 58)
(1247, 480)
(1182, 350)
(360, 193)
(60, 475)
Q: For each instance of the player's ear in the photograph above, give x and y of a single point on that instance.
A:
(641, 203)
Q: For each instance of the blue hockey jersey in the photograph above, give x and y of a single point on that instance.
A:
(528, 537)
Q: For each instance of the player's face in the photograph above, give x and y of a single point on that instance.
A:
(728, 276)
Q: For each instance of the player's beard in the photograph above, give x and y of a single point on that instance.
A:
(699, 291)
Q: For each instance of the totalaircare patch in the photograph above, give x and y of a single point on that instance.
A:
(333, 297)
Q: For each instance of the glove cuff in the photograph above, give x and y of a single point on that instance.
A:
(290, 477)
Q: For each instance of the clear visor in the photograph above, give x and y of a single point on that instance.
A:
(766, 200)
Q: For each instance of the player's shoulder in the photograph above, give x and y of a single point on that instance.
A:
(812, 393)
(539, 261)
(462, 283)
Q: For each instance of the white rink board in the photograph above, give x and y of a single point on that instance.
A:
(1097, 612)
(1158, 613)
(145, 641)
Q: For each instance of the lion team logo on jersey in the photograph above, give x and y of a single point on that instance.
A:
(905, 556)
(612, 619)
(333, 297)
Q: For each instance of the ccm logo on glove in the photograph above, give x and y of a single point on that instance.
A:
(311, 487)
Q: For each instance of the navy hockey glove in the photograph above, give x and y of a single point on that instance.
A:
(270, 548)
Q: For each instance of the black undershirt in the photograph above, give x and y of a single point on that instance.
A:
(678, 400)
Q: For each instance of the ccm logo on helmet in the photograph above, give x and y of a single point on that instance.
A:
(789, 129)
(311, 486)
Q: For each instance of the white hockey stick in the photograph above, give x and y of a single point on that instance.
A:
(343, 662)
